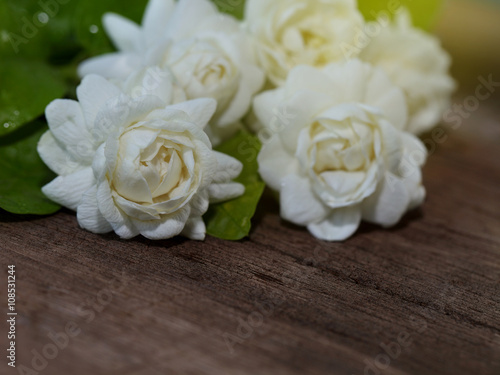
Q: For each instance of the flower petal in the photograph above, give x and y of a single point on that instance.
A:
(298, 203)
(119, 221)
(228, 167)
(199, 203)
(189, 14)
(56, 157)
(252, 82)
(88, 214)
(388, 204)
(266, 104)
(382, 93)
(200, 111)
(117, 65)
(275, 163)
(304, 77)
(225, 192)
(68, 126)
(168, 227)
(125, 34)
(93, 93)
(156, 17)
(414, 149)
(341, 224)
(68, 190)
(195, 229)
(121, 112)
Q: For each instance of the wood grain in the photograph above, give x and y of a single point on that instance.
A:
(280, 302)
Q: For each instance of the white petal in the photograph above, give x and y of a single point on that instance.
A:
(119, 221)
(347, 110)
(135, 210)
(252, 82)
(382, 93)
(200, 111)
(89, 216)
(410, 169)
(275, 163)
(208, 163)
(199, 203)
(224, 192)
(172, 178)
(156, 17)
(341, 224)
(152, 81)
(99, 163)
(228, 167)
(388, 204)
(255, 9)
(298, 203)
(67, 124)
(188, 14)
(345, 185)
(177, 121)
(298, 112)
(68, 190)
(168, 227)
(308, 78)
(127, 179)
(93, 93)
(392, 145)
(195, 229)
(415, 150)
(117, 65)
(415, 189)
(121, 111)
(56, 157)
(266, 104)
(125, 34)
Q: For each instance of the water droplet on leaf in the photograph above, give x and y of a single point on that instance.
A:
(43, 17)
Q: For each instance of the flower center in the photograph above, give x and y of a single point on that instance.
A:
(154, 166)
(162, 167)
(204, 70)
(341, 146)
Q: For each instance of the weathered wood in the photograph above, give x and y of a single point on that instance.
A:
(287, 303)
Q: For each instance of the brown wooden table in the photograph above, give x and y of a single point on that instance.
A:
(421, 299)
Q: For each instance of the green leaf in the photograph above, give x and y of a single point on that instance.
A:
(232, 220)
(26, 89)
(89, 28)
(23, 173)
(423, 11)
(38, 29)
(235, 8)
(18, 34)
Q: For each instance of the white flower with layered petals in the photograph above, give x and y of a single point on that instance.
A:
(287, 33)
(207, 52)
(340, 154)
(135, 165)
(414, 61)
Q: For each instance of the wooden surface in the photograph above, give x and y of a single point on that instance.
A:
(280, 302)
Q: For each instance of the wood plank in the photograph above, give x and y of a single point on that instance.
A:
(288, 303)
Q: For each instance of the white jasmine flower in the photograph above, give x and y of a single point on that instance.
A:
(135, 165)
(207, 52)
(414, 61)
(339, 153)
(288, 33)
